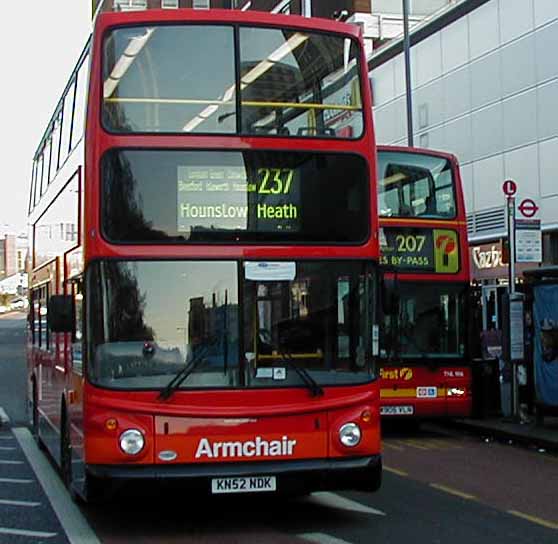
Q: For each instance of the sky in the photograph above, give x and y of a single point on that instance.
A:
(40, 43)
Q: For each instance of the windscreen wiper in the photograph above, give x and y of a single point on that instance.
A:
(315, 388)
(175, 383)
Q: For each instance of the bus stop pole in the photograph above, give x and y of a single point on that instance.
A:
(511, 291)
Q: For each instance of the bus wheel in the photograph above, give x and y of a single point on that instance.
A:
(65, 451)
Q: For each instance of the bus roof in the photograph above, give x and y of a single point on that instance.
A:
(255, 18)
(421, 150)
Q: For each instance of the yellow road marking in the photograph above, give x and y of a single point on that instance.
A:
(393, 446)
(534, 519)
(416, 444)
(443, 444)
(452, 491)
(395, 471)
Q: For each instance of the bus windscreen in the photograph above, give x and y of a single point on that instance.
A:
(430, 323)
(234, 197)
(415, 185)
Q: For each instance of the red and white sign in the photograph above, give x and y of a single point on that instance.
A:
(528, 208)
(509, 187)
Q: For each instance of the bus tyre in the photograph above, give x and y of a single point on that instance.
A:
(65, 451)
(375, 478)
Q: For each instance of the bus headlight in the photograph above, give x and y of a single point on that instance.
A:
(350, 435)
(456, 392)
(132, 441)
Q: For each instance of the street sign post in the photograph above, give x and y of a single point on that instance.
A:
(511, 241)
(525, 245)
(510, 188)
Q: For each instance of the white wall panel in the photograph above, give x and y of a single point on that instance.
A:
(459, 138)
(400, 118)
(488, 176)
(487, 131)
(384, 124)
(428, 106)
(383, 84)
(547, 112)
(468, 190)
(546, 49)
(549, 210)
(457, 92)
(455, 44)
(520, 119)
(521, 165)
(486, 80)
(427, 60)
(399, 74)
(516, 18)
(545, 11)
(548, 165)
(518, 65)
(484, 29)
(436, 139)
(390, 122)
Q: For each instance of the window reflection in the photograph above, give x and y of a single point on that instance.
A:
(251, 196)
(321, 321)
(290, 83)
(430, 325)
(150, 318)
(415, 185)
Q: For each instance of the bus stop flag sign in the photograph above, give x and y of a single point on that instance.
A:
(509, 187)
(528, 237)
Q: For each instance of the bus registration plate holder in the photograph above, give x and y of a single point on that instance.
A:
(247, 484)
(406, 410)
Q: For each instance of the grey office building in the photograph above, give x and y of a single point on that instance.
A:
(484, 87)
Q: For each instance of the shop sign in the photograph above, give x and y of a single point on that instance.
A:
(486, 261)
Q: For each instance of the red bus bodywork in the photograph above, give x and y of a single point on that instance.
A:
(415, 388)
(249, 424)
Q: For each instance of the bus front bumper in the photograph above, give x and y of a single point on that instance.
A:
(300, 476)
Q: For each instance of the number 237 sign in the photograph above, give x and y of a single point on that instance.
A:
(420, 250)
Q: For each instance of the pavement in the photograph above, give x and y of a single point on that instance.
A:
(541, 436)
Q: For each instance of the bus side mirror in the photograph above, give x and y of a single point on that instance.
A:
(60, 315)
(390, 297)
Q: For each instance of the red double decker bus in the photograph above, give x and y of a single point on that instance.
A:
(205, 258)
(425, 361)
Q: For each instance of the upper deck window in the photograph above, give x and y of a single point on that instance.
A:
(182, 79)
(415, 185)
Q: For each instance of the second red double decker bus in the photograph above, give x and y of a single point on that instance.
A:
(426, 370)
(215, 319)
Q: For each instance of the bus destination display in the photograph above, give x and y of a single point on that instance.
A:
(412, 249)
(230, 198)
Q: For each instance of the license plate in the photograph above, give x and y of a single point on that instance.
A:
(396, 410)
(427, 392)
(248, 484)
